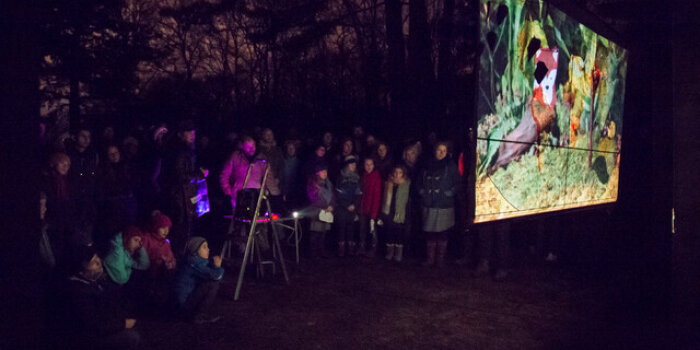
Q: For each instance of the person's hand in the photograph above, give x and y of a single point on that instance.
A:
(205, 172)
(129, 323)
(380, 222)
(330, 208)
(169, 264)
(351, 207)
(217, 261)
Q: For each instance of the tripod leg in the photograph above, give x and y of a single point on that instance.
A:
(277, 244)
(248, 247)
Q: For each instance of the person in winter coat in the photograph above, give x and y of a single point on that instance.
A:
(369, 206)
(160, 255)
(321, 198)
(125, 255)
(180, 173)
(197, 282)
(440, 182)
(234, 172)
(94, 313)
(383, 161)
(267, 146)
(117, 195)
(348, 194)
(394, 209)
(292, 182)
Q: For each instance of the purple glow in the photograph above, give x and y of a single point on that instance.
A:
(202, 205)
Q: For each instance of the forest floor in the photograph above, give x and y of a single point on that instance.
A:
(360, 303)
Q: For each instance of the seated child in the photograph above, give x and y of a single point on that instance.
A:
(160, 256)
(197, 281)
(95, 315)
(126, 254)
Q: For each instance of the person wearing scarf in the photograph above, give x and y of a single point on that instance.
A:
(197, 282)
(348, 194)
(438, 189)
(394, 204)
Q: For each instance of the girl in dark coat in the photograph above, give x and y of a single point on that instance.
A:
(438, 189)
(321, 198)
(348, 199)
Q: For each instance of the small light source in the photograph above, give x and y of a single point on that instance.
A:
(295, 214)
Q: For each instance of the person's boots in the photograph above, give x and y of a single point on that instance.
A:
(390, 251)
(430, 253)
(361, 250)
(440, 254)
(482, 269)
(351, 248)
(341, 249)
(398, 253)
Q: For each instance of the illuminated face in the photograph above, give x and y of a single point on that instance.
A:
(369, 165)
(63, 166)
(249, 148)
(397, 175)
(327, 139)
(352, 167)
(203, 251)
(357, 131)
(133, 244)
(440, 152)
(347, 147)
(93, 269)
(113, 154)
(83, 139)
(268, 136)
(291, 149)
(187, 137)
(410, 155)
(164, 231)
(370, 140)
(321, 152)
(322, 174)
(382, 151)
(108, 133)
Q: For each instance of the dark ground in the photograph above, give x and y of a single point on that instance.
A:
(354, 303)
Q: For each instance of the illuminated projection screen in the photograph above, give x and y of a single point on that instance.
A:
(550, 107)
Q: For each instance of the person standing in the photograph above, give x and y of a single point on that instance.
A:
(439, 185)
(394, 209)
(369, 206)
(180, 175)
(321, 198)
(348, 194)
(84, 162)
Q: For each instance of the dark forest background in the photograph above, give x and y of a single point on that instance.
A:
(312, 64)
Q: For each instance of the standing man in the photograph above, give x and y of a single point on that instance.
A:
(267, 146)
(180, 176)
(82, 178)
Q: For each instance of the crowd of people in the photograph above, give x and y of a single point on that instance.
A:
(119, 214)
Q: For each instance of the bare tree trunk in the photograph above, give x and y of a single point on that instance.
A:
(445, 69)
(419, 64)
(396, 56)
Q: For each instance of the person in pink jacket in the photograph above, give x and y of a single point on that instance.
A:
(162, 260)
(233, 173)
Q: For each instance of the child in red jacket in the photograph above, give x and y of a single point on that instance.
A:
(160, 254)
(369, 206)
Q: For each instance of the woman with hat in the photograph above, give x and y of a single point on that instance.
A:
(321, 198)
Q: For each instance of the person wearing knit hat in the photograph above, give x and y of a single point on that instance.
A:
(348, 194)
(197, 281)
(158, 248)
(125, 255)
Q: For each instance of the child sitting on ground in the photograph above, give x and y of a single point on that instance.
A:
(197, 282)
